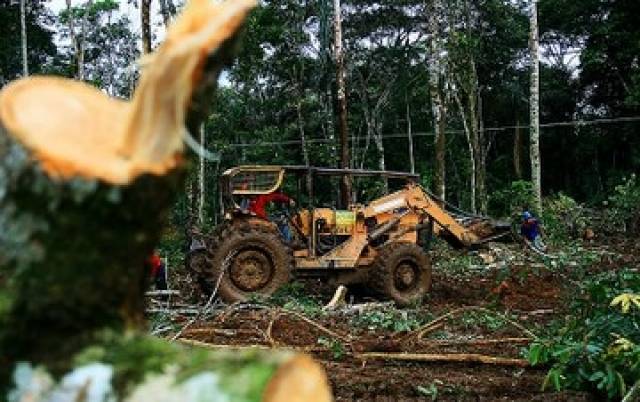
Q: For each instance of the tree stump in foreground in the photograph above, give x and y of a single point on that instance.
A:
(85, 185)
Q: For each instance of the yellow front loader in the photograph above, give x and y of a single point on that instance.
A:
(382, 243)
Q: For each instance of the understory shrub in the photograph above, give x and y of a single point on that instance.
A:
(597, 348)
(623, 212)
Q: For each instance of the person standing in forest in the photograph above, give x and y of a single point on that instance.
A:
(157, 271)
(531, 231)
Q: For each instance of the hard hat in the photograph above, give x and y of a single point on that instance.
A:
(527, 215)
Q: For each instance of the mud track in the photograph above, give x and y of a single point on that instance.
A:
(524, 293)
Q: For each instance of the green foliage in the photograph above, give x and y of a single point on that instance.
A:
(624, 210)
(293, 296)
(335, 346)
(475, 319)
(135, 357)
(563, 218)
(42, 51)
(391, 320)
(431, 391)
(512, 200)
(598, 346)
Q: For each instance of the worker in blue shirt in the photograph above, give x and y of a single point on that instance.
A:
(531, 231)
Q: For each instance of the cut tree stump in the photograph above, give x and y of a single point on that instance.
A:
(86, 182)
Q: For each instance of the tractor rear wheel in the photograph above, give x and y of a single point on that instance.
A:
(254, 259)
(401, 272)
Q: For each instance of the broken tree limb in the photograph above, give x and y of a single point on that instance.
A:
(280, 312)
(480, 342)
(432, 325)
(206, 345)
(338, 299)
(454, 357)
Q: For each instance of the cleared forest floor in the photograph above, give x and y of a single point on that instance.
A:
(522, 296)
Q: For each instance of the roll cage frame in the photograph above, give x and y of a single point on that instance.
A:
(309, 173)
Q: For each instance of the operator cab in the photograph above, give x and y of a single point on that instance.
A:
(318, 225)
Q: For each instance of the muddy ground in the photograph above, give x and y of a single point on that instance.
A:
(527, 293)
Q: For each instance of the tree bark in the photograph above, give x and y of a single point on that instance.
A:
(378, 140)
(145, 21)
(74, 39)
(534, 101)
(517, 151)
(343, 129)
(472, 159)
(437, 102)
(412, 163)
(303, 143)
(23, 37)
(201, 178)
(82, 41)
(481, 157)
(445, 357)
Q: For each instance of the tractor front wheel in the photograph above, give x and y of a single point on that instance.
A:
(246, 260)
(401, 272)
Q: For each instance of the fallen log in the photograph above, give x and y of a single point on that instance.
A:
(479, 342)
(451, 357)
(86, 182)
(155, 293)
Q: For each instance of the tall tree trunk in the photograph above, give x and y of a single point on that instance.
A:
(437, 103)
(412, 162)
(23, 37)
(517, 151)
(345, 183)
(201, 178)
(377, 138)
(475, 146)
(145, 20)
(74, 39)
(303, 142)
(534, 149)
(81, 42)
(481, 167)
(440, 143)
(472, 159)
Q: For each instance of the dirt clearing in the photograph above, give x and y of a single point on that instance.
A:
(496, 308)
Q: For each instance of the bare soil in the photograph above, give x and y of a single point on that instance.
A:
(524, 292)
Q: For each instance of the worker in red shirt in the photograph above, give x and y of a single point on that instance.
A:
(157, 271)
(258, 204)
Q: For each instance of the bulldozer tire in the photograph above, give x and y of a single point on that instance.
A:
(401, 272)
(254, 258)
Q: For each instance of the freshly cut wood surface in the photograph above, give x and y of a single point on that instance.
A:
(73, 129)
(298, 380)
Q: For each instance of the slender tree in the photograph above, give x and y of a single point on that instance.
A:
(412, 162)
(74, 38)
(201, 178)
(145, 20)
(23, 36)
(534, 130)
(81, 42)
(438, 106)
(517, 151)
(345, 183)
